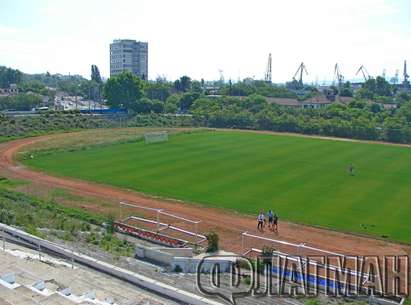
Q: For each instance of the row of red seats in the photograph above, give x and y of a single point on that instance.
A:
(148, 235)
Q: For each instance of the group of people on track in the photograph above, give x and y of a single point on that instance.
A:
(272, 221)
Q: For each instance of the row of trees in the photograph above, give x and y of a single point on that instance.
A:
(20, 102)
(358, 119)
(9, 76)
(127, 91)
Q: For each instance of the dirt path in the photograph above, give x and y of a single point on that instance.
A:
(228, 224)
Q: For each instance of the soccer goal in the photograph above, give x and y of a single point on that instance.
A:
(156, 137)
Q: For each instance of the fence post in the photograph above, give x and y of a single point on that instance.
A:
(196, 232)
(39, 250)
(4, 239)
(158, 221)
(242, 242)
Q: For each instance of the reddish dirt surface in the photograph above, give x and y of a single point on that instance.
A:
(229, 225)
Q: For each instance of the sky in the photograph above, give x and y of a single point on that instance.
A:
(200, 38)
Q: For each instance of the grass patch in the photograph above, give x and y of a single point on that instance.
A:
(304, 180)
(64, 194)
(11, 183)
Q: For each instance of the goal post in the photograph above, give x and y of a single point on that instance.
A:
(155, 137)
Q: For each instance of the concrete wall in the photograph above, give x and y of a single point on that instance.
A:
(154, 255)
(173, 257)
(190, 265)
(180, 252)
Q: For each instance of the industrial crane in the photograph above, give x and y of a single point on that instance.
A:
(222, 80)
(268, 72)
(338, 76)
(301, 69)
(364, 72)
(405, 74)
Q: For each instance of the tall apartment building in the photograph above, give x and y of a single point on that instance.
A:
(129, 55)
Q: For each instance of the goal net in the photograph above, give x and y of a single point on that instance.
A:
(155, 137)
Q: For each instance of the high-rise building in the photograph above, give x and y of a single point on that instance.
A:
(129, 55)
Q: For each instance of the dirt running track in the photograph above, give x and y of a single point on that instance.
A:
(228, 224)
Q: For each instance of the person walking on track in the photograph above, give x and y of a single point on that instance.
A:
(270, 216)
(275, 223)
(260, 221)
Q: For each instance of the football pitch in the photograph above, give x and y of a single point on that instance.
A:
(304, 180)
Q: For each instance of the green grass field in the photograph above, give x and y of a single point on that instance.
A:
(304, 180)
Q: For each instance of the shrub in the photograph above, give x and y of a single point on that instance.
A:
(178, 269)
(212, 239)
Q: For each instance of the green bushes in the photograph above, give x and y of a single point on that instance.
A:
(213, 242)
(178, 269)
(45, 123)
(25, 211)
(358, 120)
(66, 223)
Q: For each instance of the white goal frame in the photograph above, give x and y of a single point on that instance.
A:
(155, 137)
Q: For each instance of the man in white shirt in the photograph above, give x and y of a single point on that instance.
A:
(260, 221)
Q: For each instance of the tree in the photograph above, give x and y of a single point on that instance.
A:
(255, 102)
(196, 87)
(20, 102)
(382, 87)
(403, 97)
(144, 105)
(123, 90)
(187, 100)
(346, 90)
(172, 102)
(157, 90)
(183, 84)
(375, 87)
(213, 242)
(96, 84)
(95, 74)
(9, 76)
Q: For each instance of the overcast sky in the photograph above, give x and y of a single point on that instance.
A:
(198, 38)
